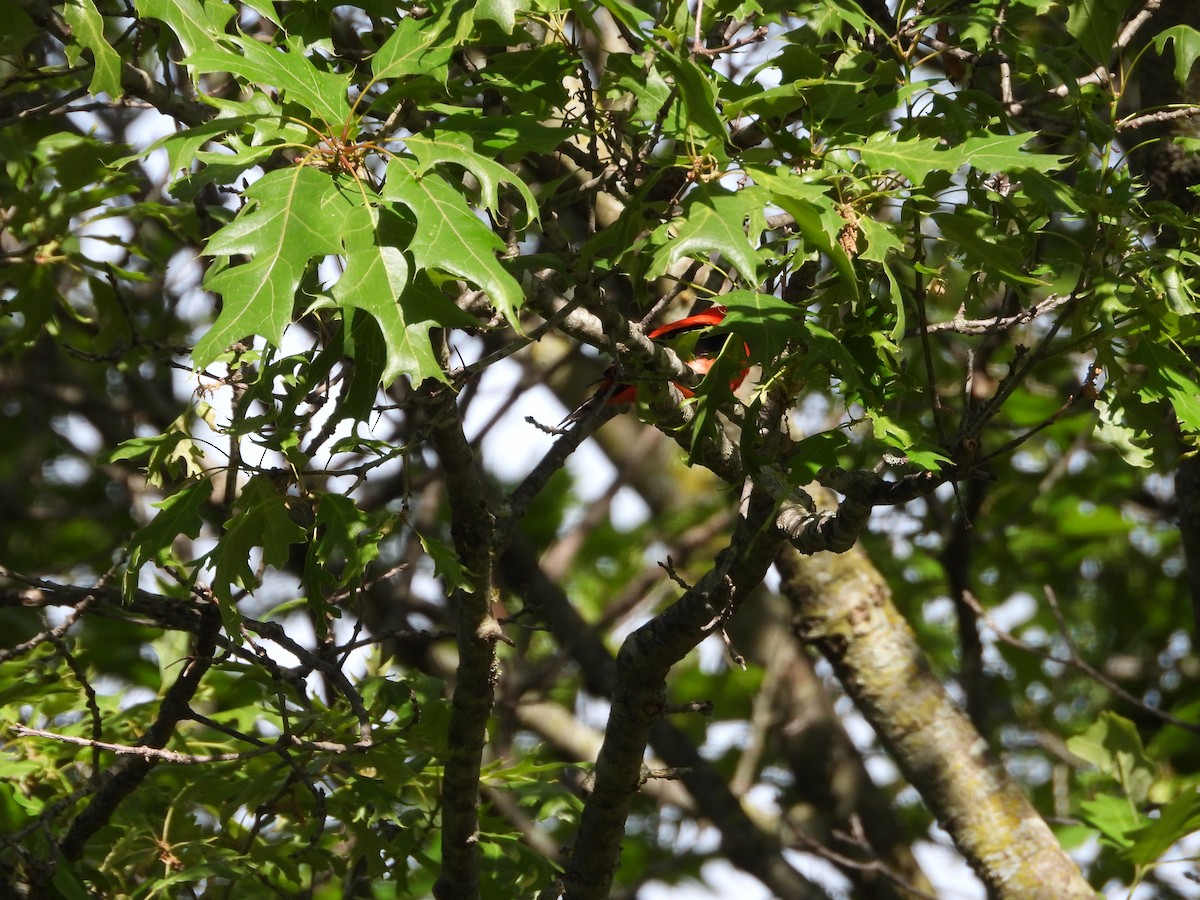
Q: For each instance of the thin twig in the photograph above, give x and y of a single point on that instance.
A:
(1086, 391)
(849, 863)
(754, 37)
(1154, 118)
(1074, 661)
(961, 325)
(152, 753)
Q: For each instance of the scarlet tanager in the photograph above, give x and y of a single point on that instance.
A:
(689, 339)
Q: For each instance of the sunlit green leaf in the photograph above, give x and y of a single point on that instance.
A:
(450, 236)
(291, 218)
(287, 70)
(87, 28)
(1094, 24)
(1186, 44)
(490, 174)
(715, 220)
(1113, 746)
(196, 23)
(413, 48)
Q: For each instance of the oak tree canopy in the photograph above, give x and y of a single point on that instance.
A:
(308, 592)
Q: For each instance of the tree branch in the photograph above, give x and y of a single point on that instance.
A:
(129, 771)
(640, 694)
(750, 846)
(845, 610)
(472, 527)
(136, 81)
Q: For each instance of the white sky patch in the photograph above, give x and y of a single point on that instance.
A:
(143, 131)
(1018, 609)
(104, 240)
(592, 712)
(949, 873)
(512, 447)
(769, 77)
(720, 737)
(81, 432)
(721, 880)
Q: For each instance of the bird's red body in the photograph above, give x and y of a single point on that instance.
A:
(707, 349)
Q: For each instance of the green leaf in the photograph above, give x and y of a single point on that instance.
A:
(1166, 379)
(913, 158)
(1114, 817)
(765, 322)
(178, 515)
(264, 8)
(1175, 821)
(261, 519)
(896, 294)
(174, 446)
(916, 158)
(16, 29)
(196, 24)
(714, 220)
(340, 525)
(1173, 281)
(814, 453)
(832, 14)
(87, 30)
(822, 347)
(292, 217)
(489, 173)
(533, 82)
(1112, 744)
(415, 47)
(450, 237)
(715, 392)
(1186, 40)
(628, 14)
(377, 274)
(972, 232)
(1094, 23)
(290, 71)
(698, 93)
(499, 135)
(14, 814)
(888, 431)
(182, 146)
(814, 224)
(880, 240)
(1185, 398)
(1114, 429)
(361, 340)
(815, 215)
(447, 564)
(342, 544)
(68, 886)
(1085, 520)
(502, 12)
(1003, 153)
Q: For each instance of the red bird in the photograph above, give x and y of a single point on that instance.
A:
(699, 358)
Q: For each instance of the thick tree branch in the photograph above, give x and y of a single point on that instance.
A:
(640, 694)
(471, 526)
(844, 608)
(750, 847)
